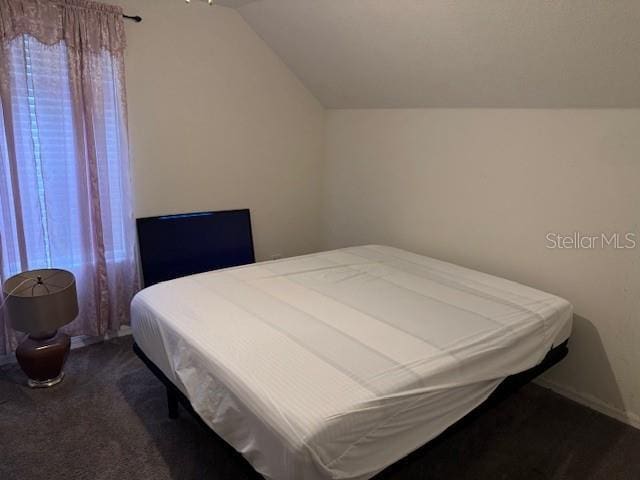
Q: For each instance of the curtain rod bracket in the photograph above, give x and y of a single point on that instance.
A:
(136, 18)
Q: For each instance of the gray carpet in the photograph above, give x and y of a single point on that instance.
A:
(108, 420)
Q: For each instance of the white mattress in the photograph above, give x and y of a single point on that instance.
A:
(337, 364)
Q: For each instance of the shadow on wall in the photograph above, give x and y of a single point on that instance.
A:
(587, 369)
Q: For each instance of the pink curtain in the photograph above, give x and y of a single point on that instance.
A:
(65, 186)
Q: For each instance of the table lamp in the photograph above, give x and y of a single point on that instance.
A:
(38, 303)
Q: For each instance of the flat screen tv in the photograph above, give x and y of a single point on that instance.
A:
(173, 246)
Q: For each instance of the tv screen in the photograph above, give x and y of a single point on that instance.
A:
(173, 246)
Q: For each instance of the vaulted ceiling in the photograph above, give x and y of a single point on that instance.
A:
(456, 53)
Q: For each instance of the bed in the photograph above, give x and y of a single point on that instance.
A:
(337, 364)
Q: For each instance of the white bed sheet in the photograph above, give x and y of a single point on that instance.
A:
(337, 364)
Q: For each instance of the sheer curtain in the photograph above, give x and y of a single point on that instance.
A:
(65, 188)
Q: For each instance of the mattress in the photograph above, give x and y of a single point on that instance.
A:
(337, 364)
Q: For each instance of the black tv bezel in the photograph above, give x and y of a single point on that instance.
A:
(143, 220)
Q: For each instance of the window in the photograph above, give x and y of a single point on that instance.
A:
(47, 182)
(65, 189)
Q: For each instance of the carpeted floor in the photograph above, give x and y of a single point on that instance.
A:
(108, 420)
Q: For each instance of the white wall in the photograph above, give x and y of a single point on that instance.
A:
(482, 188)
(217, 122)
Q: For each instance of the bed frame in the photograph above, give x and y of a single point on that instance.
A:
(508, 386)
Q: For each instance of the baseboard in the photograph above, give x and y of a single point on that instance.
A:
(79, 342)
(592, 402)
(85, 340)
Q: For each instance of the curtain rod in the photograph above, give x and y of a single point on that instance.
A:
(136, 18)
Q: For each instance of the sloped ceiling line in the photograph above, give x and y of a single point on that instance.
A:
(456, 53)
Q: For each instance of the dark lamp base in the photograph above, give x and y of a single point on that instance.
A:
(42, 359)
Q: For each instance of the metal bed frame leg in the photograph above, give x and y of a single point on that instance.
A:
(172, 403)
